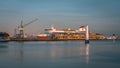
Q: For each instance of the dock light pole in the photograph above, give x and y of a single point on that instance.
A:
(87, 35)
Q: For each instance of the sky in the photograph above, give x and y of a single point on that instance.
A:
(102, 16)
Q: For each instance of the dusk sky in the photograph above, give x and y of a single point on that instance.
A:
(102, 16)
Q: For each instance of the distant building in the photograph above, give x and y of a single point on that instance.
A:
(96, 36)
(4, 37)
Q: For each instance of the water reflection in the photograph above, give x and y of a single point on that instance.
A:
(113, 40)
(3, 44)
(101, 54)
(70, 52)
(87, 53)
(20, 51)
(55, 50)
(84, 51)
(3, 48)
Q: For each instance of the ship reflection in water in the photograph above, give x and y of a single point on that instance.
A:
(65, 52)
(54, 52)
(60, 54)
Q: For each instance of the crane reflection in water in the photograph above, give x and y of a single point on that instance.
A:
(54, 51)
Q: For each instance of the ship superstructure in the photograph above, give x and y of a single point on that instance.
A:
(54, 30)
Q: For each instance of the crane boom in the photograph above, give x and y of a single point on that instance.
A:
(21, 28)
(30, 22)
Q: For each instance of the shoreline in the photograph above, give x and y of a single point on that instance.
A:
(63, 40)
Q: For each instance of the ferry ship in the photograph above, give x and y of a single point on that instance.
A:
(50, 31)
(68, 34)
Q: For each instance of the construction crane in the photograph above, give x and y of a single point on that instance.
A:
(22, 26)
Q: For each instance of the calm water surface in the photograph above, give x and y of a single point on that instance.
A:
(60, 54)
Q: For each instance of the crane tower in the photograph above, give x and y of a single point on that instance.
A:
(22, 26)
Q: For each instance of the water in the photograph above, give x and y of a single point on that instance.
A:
(60, 54)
